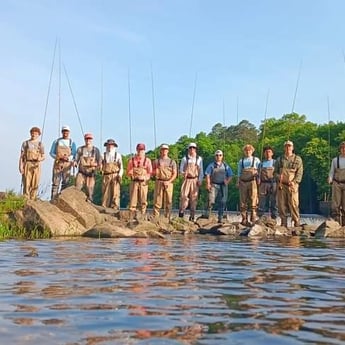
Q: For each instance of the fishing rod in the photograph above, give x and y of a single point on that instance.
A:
(101, 111)
(329, 140)
(153, 107)
(73, 98)
(264, 126)
(295, 95)
(129, 112)
(59, 102)
(192, 111)
(49, 88)
(223, 129)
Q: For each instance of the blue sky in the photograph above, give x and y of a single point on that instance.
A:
(239, 51)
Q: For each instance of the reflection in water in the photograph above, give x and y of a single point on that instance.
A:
(188, 290)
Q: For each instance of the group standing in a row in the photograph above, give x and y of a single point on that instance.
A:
(271, 185)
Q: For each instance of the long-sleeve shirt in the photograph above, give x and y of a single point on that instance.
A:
(139, 162)
(334, 165)
(113, 156)
(193, 160)
(63, 142)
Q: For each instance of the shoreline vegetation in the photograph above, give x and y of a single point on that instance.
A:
(10, 203)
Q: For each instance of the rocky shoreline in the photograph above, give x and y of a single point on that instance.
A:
(71, 215)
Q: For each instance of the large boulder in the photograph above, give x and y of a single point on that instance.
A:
(43, 215)
(73, 201)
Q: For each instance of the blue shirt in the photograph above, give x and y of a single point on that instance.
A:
(63, 142)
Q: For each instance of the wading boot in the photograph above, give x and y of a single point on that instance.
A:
(244, 220)
(253, 217)
(283, 221)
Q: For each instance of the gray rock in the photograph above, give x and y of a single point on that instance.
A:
(330, 228)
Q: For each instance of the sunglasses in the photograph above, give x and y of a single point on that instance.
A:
(219, 154)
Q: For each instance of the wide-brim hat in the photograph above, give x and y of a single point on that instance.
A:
(110, 142)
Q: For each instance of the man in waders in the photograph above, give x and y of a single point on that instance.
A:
(288, 170)
(63, 151)
(164, 169)
(88, 160)
(112, 171)
(31, 156)
(247, 170)
(139, 170)
(336, 177)
(267, 184)
(218, 176)
(192, 171)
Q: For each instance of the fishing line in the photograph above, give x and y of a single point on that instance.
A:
(74, 102)
(49, 88)
(153, 108)
(129, 112)
(193, 101)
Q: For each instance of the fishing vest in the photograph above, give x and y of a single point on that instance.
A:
(248, 174)
(218, 173)
(32, 151)
(87, 161)
(62, 151)
(267, 173)
(112, 167)
(339, 174)
(164, 172)
(139, 169)
(191, 169)
(288, 170)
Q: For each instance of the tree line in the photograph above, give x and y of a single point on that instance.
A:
(317, 144)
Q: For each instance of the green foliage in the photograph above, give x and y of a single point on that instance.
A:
(317, 145)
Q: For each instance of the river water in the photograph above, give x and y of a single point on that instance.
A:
(185, 290)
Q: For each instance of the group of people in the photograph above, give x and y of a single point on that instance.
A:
(270, 185)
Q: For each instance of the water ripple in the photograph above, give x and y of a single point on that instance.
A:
(175, 291)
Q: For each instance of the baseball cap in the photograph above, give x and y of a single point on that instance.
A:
(141, 146)
(164, 146)
(288, 142)
(65, 128)
(218, 152)
(192, 145)
(88, 136)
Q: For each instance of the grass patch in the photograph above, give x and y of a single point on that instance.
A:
(9, 204)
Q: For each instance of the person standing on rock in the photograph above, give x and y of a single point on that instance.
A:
(139, 170)
(31, 156)
(247, 172)
(63, 151)
(218, 176)
(336, 177)
(164, 169)
(88, 160)
(288, 170)
(112, 171)
(192, 171)
(267, 184)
